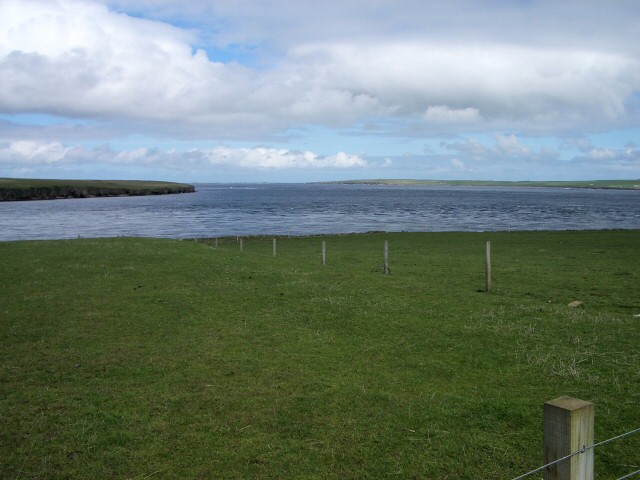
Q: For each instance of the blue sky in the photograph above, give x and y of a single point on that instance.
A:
(268, 91)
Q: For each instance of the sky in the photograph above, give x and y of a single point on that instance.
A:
(301, 91)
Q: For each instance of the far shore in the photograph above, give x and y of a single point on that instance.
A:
(593, 184)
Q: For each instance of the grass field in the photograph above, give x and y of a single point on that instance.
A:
(150, 358)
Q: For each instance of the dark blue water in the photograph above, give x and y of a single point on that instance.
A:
(305, 209)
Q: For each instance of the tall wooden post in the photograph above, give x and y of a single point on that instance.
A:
(274, 247)
(568, 428)
(324, 252)
(386, 257)
(488, 266)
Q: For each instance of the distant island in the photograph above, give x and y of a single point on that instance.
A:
(598, 184)
(15, 189)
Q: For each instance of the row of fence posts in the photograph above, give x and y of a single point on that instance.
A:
(568, 422)
(385, 268)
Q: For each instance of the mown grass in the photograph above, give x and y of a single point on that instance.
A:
(136, 358)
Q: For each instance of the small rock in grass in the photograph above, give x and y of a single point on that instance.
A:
(575, 303)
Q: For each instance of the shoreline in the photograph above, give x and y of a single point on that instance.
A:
(266, 236)
(633, 185)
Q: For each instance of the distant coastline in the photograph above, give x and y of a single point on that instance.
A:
(594, 184)
(21, 189)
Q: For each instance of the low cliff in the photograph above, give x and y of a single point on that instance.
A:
(13, 189)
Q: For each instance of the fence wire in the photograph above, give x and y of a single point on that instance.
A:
(630, 475)
(583, 450)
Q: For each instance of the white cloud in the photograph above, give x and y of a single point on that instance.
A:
(30, 152)
(510, 145)
(509, 156)
(19, 154)
(441, 114)
(272, 158)
(78, 58)
(602, 154)
(284, 24)
(629, 155)
(505, 147)
(588, 152)
(470, 147)
(469, 82)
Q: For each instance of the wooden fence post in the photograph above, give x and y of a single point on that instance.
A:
(274, 247)
(488, 265)
(568, 428)
(324, 252)
(241, 246)
(386, 257)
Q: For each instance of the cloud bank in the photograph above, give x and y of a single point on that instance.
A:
(24, 153)
(78, 58)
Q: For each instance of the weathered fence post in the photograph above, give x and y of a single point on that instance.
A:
(568, 428)
(241, 246)
(386, 257)
(488, 265)
(324, 252)
(274, 247)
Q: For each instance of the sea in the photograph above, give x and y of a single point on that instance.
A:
(219, 210)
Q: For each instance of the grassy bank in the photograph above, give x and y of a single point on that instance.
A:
(597, 184)
(136, 358)
(12, 189)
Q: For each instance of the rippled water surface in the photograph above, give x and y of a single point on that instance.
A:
(305, 209)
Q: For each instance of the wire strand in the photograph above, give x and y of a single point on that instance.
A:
(615, 438)
(630, 475)
(583, 450)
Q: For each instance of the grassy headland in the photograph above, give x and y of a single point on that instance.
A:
(135, 358)
(606, 184)
(36, 189)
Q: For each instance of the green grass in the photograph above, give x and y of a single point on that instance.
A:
(137, 358)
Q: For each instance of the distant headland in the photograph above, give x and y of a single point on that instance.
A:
(14, 189)
(599, 184)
